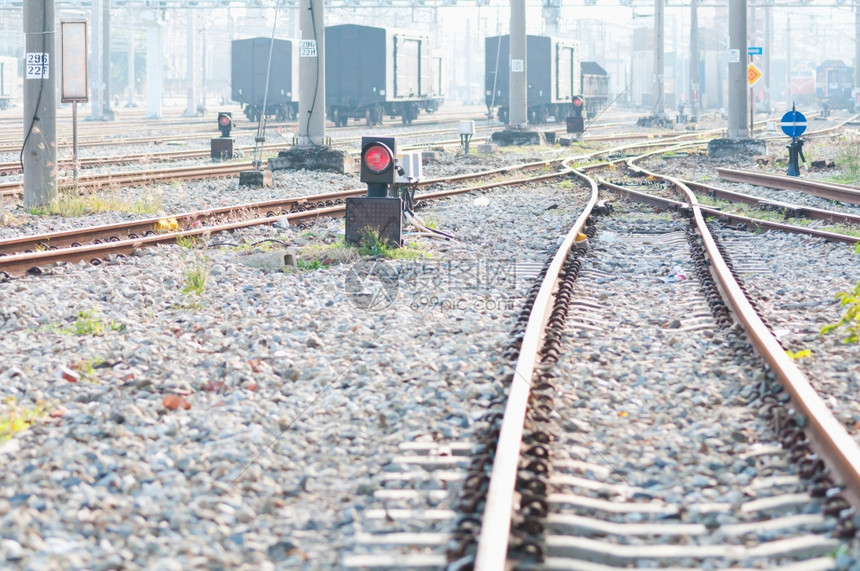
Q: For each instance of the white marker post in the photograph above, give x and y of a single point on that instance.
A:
(73, 85)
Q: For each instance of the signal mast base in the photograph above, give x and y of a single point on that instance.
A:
(518, 136)
(313, 158)
(718, 148)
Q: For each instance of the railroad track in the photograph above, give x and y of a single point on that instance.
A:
(527, 492)
(105, 180)
(30, 253)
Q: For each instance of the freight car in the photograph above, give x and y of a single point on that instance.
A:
(834, 84)
(8, 80)
(554, 77)
(595, 87)
(371, 72)
(249, 66)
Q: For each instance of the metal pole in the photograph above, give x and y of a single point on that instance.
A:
(737, 106)
(519, 59)
(75, 163)
(857, 52)
(659, 66)
(311, 74)
(191, 64)
(108, 114)
(154, 66)
(768, 49)
(694, 60)
(131, 60)
(789, 94)
(260, 138)
(96, 106)
(39, 152)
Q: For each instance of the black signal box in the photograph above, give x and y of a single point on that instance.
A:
(377, 215)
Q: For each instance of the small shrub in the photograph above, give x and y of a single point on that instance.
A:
(851, 319)
(196, 276)
(15, 418)
(372, 243)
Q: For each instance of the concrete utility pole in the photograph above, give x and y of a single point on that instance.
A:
(693, 99)
(108, 113)
(768, 52)
(40, 104)
(131, 59)
(659, 66)
(738, 94)
(311, 74)
(789, 96)
(856, 50)
(191, 64)
(154, 65)
(96, 105)
(519, 72)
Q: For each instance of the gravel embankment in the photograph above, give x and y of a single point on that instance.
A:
(297, 397)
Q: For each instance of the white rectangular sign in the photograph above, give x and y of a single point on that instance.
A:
(308, 48)
(73, 61)
(38, 66)
(734, 56)
(517, 65)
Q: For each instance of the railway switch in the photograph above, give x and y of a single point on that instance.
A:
(795, 149)
(225, 123)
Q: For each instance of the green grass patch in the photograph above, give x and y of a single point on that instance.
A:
(14, 418)
(848, 162)
(73, 205)
(91, 322)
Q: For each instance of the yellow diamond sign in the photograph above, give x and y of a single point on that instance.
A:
(753, 74)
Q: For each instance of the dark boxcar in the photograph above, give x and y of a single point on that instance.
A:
(553, 80)
(834, 84)
(249, 67)
(371, 72)
(595, 87)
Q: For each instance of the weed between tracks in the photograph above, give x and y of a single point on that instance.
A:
(851, 319)
(848, 162)
(770, 215)
(73, 205)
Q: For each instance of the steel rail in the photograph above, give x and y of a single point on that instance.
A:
(125, 230)
(830, 191)
(805, 211)
(496, 520)
(21, 263)
(838, 449)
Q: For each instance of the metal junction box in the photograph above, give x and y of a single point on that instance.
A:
(379, 214)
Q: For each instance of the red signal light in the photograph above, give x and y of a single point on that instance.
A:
(577, 102)
(377, 158)
(225, 123)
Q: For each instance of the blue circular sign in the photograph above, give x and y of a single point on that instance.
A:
(793, 123)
